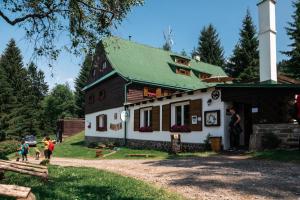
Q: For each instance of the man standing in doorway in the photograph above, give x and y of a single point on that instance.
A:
(234, 129)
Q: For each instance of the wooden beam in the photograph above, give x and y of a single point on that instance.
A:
(18, 192)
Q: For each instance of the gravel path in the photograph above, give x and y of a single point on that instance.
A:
(216, 177)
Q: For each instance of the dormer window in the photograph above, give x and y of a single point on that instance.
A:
(181, 60)
(204, 75)
(183, 72)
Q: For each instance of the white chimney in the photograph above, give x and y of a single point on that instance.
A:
(267, 40)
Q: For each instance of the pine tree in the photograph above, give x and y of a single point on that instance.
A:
(244, 63)
(80, 83)
(209, 46)
(12, 66)
(7, 102)
(292, 65)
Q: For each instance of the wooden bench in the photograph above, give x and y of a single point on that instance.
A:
(24, 168)
(19, 192)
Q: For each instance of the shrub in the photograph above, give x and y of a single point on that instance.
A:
(207, 146)
(8, 147)
(270, 141)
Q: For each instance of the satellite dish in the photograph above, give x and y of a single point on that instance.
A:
(125, 115)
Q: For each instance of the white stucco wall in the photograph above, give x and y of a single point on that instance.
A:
(192, 137)
(110, 120)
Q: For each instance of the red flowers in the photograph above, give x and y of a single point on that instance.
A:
(146, 129)
(178, 128)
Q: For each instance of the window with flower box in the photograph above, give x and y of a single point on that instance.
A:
(180, 117)
(146, 119)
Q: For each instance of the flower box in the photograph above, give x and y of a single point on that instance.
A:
(181, 129)
(146, 129)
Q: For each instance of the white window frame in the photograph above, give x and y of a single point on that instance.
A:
(142, 110)
(173, 112)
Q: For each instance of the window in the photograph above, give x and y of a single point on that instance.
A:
(103, 66)
(146, 117)
(181, 60)
(181, 114)
(94, 73)
(204, 75)
(91, 99)
(101, 95)
(183, 72)
(101, 123)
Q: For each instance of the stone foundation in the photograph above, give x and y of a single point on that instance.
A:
(288, 134)
(147, 144)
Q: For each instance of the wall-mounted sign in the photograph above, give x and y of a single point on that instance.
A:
(254, 110)
(115, 127)
(125, 115)
(194, 119)
(212, 118)
(215, 94)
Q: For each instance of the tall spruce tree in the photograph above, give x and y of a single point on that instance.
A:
(7, 102)
(80, 82)
(244, 63)
(292, 65)
(209, 46)
(16, 76)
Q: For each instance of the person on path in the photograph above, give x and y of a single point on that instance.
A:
(234, 129)
(19, 153)
(24, 150)
(48, 147)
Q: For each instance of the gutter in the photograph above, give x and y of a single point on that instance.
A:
(126, 109)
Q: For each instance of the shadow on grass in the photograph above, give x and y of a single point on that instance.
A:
(79, 143)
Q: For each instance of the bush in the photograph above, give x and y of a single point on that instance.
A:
(207, 146)
(8, 147)
(270, 141)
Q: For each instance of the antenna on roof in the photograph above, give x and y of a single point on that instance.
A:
(168, 39)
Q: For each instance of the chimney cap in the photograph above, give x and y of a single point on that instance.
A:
(262, 1)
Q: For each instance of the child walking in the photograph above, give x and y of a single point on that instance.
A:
(24, 150)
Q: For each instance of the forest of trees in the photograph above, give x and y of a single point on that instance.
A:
(27, 105)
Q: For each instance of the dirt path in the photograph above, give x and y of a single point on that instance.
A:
(217, 177)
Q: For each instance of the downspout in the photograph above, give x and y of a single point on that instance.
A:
(126, 108)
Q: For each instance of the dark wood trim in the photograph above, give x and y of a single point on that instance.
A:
(104, 127)
(136, 120)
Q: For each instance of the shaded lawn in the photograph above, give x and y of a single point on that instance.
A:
(69, 183)
(278, 155)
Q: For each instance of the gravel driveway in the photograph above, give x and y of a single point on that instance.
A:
(216, 177)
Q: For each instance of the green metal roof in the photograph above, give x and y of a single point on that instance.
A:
(145, 64)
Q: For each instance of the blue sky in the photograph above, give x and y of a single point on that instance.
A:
(147, 23)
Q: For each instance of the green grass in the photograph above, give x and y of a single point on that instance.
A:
(69, 183)
(74, 147)
(278, 155)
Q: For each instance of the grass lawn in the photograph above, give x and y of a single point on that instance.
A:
(74, 147)
(69, 183)
(278, 155)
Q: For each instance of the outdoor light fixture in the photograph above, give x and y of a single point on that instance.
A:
(209, 101)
